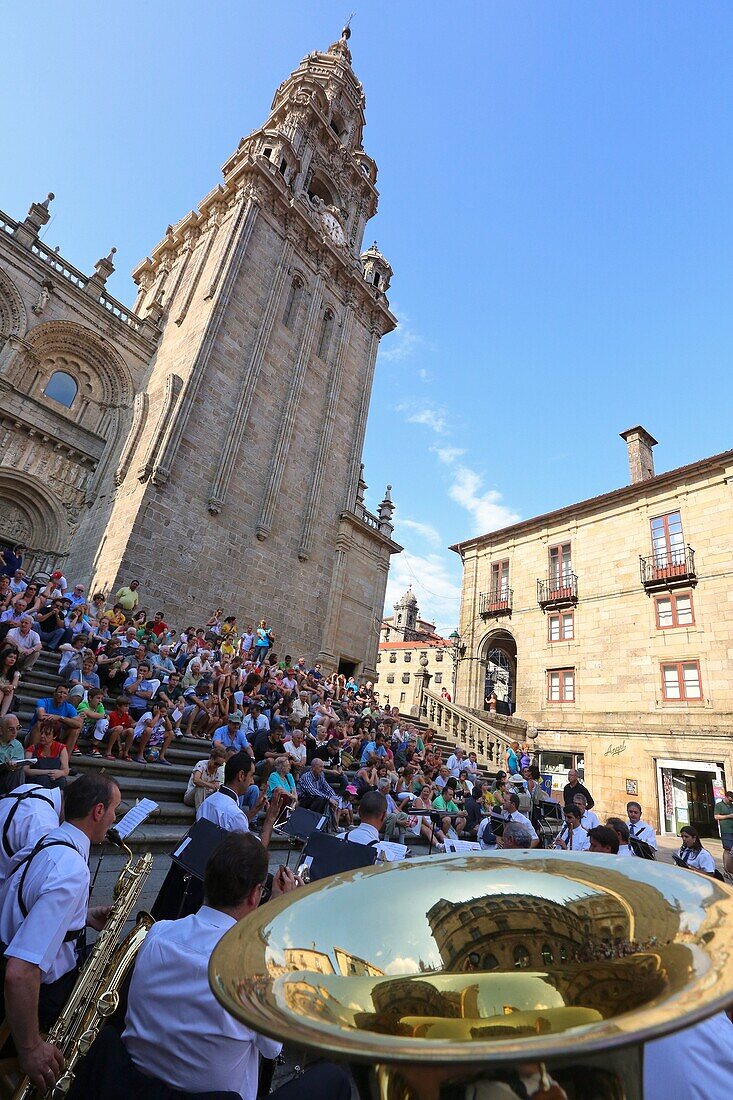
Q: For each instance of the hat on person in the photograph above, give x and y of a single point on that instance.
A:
(235, 718)
(77, 692)
(57, 575)
(351, 789)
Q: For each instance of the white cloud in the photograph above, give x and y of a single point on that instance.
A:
(489, 514)
(430, 418)
(436, 582)
(402, 343)
(424, 375)
(425, 530)
(448, 455)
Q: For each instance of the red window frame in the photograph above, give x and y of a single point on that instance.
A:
(668, 560)
(561, 672)
(679, 665)
(559, 616)
(673, 597)
(560, 579)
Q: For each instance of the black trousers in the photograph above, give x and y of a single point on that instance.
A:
(108, 1073)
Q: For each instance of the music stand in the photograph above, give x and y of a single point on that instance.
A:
(330, 855)
(189, 861)
(300, 825)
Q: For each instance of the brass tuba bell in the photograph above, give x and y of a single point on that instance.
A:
(452, 977)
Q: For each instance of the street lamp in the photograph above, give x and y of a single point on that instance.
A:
(457, 649)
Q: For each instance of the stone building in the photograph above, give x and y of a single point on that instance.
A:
(209, 441)
(409, 648)
(612, 620)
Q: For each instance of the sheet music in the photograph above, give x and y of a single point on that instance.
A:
(135, 817)
(391, 851)
(462, 846)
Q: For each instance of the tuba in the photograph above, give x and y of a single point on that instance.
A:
(95, 995)
(465, 977)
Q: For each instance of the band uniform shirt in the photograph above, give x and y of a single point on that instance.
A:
(579, 842)
(696, 1063)
(698, 861)
(363, 834)
(175, 1029)
(640, 830)
(522, 819)
(222, 807)
(32, 818)
(56, 894)
(589, 820)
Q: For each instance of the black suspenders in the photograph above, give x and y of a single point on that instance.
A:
(25, 863)
(9, 819)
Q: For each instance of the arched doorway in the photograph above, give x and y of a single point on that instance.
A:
(499, 656)
(30, 514)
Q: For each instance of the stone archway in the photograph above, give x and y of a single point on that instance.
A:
(498, 655)
(29, 513)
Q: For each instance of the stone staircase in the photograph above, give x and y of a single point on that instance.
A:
(164, 785)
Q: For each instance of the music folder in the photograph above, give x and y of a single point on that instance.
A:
(327, 855)
(302, 823)
(192, 854)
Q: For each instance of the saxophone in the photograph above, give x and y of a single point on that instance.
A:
(95, 995)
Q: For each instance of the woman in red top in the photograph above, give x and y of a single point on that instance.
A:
(47, 747)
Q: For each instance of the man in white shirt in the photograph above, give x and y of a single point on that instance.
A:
(511, 813)
(176, 1032)
(572, 837)
(43, 912)
(296, 750)
(27, 642)
(26, 814)
(372, 815)
(638, 829)
(222, 807)
(603, 840)
(588, 819)
(696, 1063)
(622, 832)
(456, 762)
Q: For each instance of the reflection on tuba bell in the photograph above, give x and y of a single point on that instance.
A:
(522, 969)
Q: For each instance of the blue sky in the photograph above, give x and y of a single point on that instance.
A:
(556, 187)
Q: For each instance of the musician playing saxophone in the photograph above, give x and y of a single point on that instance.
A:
(43, 914)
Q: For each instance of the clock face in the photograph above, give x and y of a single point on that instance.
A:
(333, 228)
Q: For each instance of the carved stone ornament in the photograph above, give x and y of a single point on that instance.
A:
(43, 297)
(14, 524)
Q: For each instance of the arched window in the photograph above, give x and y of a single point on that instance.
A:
(290, 316)
(317, 189)
(324, 341)
(62, 388)
(521, 957)
(491, 962)
(547, 956)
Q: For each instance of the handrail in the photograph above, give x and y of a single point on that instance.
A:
(478, 735)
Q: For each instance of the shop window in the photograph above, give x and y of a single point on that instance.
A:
(561, 627)
(676, 609)
(681, 682)
(62, 388)
(561, 685)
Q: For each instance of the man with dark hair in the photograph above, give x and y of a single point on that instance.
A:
(622, 832)
(222, 807)
(178, 1040)
(602, 838)
(511, 812)
(372, 815)
(640, 830)
(572, 836)
(43, 913)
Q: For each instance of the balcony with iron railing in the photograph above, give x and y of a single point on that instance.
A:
(497, 601)
(668, 569)
(557, 590)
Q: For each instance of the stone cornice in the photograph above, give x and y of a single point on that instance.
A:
(371, 532)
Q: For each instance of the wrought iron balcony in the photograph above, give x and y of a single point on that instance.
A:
(498, 601)
(557, 590)
(668, 569)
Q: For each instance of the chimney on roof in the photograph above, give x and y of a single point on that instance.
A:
(641, 460)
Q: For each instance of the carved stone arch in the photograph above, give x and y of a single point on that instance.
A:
(13, 317)
(29, 512)
(497, 652)
(321, 188)
(99, 361)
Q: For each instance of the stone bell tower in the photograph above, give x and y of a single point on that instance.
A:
(239, 484)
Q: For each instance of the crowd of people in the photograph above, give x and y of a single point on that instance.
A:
(277, 733)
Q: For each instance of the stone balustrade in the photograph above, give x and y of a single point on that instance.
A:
(488, 737)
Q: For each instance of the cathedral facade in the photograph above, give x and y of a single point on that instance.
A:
(209, 440)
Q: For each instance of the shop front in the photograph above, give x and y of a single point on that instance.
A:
(688, 791)
(556, 766)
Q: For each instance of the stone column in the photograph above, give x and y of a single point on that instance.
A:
(422, 680)
(361, 422)
(327, 656)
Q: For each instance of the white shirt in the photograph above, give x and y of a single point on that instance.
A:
(224, 811)
(456, 764)
(56, 893)
(24, 642)
(698, 861)
(580, 841)
(624, 850)
(175, 1029)
(32, 819)
(589, 820)
(296, 752)
(696, 1064)
(521, 819)
(363, 834)
(641, 831)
